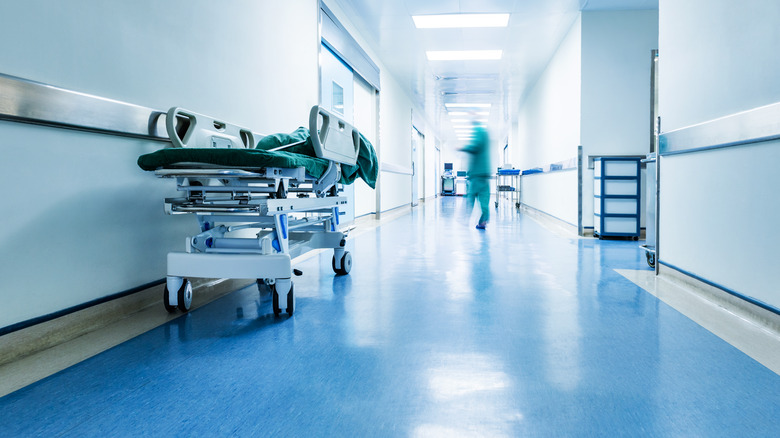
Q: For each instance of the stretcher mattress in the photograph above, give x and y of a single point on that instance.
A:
(299, 155)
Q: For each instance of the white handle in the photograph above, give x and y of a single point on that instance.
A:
(201, 131)
(335, 140)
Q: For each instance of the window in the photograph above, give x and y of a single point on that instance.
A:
(338, 99)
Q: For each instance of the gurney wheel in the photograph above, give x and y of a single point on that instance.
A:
(167, 305)
(346, 264)
(290, 300)
(275, 300)
(184, 296)
(650, 259)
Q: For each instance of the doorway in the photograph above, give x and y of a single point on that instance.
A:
(418, 166)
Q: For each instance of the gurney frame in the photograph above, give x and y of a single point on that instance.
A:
(289, 211)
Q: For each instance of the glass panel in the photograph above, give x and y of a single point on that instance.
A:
(338, 99)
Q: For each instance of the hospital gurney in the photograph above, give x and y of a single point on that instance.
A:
(290, 200)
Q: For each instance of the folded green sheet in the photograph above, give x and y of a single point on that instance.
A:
(302, 155)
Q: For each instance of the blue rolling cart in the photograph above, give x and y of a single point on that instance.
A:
(616, 190)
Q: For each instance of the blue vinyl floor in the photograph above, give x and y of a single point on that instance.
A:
(439, 330)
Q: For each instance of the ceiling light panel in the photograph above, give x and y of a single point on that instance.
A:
(464, 55)
(468, 120)
(467, 105)
(460, 20)
(467, 113)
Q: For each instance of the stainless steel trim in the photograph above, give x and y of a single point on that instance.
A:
(653, 100)
(215, 209)
(26, 101)
(580, 227)
(206, 173)
(657, 242)
(753, 126)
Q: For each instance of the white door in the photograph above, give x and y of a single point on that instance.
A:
(338, 97)
(437, 166)
(365, 122)
(418, 143)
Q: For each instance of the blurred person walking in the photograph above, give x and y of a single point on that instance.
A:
(480, 171)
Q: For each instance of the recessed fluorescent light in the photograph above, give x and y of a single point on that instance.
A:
(467, 120)
(464, 55)
(460, 20)
(466, 113)
(467, 105)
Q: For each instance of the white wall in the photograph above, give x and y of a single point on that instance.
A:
(719, 211)
(431, 171)
(365, 122)
(616, 61)
(720, 215)
(717, 58)
(395, 132)
(548, 131)
(87, 222)
(554, 193)
(548, 128)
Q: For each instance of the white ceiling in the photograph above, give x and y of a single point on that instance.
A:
(536, 28)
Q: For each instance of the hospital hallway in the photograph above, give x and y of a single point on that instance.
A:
(439, 330)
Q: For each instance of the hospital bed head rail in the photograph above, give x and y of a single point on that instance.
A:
(190, 129)
(336, 140)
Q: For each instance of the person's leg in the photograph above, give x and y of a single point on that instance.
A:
(484, 204)
(483, 196)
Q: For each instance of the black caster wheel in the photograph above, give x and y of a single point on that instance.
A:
(275, 300)
(290, 301)
(184, 296)
(346, 264)
(650, 259)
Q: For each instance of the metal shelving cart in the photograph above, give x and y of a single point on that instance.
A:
(616, 197)
(508, 182)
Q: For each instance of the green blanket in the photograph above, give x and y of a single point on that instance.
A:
(367, 166)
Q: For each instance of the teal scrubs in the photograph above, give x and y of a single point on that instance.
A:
(480, 171)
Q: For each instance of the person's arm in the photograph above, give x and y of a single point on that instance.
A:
(471, 147)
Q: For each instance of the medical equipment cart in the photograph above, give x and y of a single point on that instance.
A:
(508, 182)
(616, 197)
